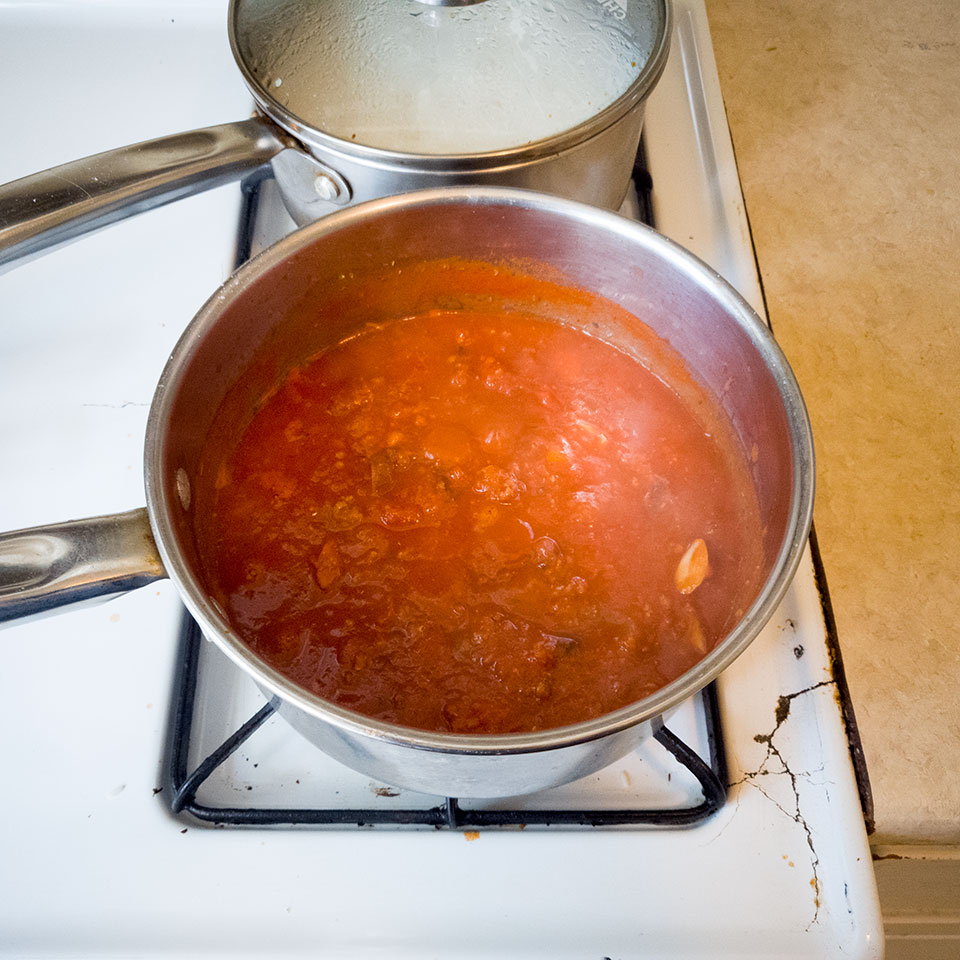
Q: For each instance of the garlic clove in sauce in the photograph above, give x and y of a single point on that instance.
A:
(693, 567)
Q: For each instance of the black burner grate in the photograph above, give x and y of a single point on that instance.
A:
(183, 783)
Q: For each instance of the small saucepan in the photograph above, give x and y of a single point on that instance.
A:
(723, 344)
(363, 100)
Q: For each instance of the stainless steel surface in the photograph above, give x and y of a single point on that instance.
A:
(591, 162)
(58, 205)
(46, 568)
(724, 343)
(595, 171)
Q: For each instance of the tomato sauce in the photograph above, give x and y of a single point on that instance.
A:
(481, 522)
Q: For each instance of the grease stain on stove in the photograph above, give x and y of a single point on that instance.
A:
(384, 791)
(471, 835)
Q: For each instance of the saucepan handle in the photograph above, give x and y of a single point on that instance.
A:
(44, 568)
(49, 208)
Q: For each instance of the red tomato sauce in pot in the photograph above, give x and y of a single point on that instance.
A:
(481, 523)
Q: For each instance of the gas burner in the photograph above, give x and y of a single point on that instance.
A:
(239, 790)
(639, 790)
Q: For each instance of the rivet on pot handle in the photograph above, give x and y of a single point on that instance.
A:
(310, 188)
(49, 208)
(45, 568)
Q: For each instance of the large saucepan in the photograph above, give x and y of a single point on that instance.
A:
(363, 100)
(724, 344)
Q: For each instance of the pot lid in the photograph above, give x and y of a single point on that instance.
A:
(442, 78)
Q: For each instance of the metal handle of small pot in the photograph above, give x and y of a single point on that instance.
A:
(49, 208)
(44, 568)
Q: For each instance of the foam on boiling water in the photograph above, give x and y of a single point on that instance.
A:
(402, 75)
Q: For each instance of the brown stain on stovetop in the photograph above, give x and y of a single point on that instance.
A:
(781, 715)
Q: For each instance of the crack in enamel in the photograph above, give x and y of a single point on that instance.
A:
(781, 714)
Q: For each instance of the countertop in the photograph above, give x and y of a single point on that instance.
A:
(845, 123)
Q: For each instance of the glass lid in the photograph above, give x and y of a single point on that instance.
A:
(432, 78)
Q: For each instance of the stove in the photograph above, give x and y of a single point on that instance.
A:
(140, 819)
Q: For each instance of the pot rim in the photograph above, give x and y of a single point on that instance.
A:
(161, 501)
(319, 140)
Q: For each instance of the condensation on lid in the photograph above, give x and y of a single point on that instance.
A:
(405, 76)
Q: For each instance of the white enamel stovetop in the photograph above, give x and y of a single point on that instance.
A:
(92, 864)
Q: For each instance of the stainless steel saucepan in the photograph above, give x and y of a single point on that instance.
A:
(721, 340)
(358, 101)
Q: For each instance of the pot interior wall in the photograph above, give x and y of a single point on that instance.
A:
(617, 280)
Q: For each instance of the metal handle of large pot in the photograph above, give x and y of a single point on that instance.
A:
(44, 568)
(49, 208)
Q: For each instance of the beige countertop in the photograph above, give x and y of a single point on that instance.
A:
(846, 126)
